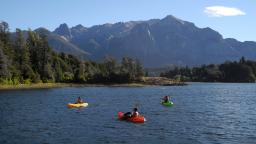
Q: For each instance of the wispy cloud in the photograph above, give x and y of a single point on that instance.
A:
(221, 11)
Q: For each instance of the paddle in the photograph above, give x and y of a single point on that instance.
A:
(163, 101)
(137, 105)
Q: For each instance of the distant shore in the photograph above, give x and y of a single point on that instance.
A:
(33, 86)
(147, 81)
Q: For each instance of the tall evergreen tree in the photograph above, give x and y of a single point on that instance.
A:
(4, 33)
(5, 39)
(18, 48)
(139, 69)
(80, 73)
(32, 45)
(111, 65)
(45, 59)
(4, 73)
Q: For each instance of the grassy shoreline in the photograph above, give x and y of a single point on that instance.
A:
(149, 81)
(59, 85)
(33, 86)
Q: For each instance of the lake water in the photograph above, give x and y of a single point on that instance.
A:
(202, 113)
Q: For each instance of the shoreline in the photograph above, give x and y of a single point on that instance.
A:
(33, 86)
(145, 81)
(60, 85)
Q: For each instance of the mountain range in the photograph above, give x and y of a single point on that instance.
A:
(155, 42)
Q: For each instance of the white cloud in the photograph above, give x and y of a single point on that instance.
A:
(220, 11)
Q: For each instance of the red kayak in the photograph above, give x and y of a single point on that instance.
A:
(137, 119)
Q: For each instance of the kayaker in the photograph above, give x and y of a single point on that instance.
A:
(79, 100)
(135, 112)
(131, 114)
(166, 99)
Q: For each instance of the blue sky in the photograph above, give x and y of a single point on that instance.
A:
(231, 18)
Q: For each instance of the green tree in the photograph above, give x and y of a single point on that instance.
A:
(80, 73)
(111, 65)
(4, 73)
(22, 56)
(57, 69)
(6, 55)
(45, 60)
(139, 69)
(32, 45)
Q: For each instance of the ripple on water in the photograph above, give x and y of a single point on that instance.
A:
(202, 113)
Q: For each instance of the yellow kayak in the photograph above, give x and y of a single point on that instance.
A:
(77, 105)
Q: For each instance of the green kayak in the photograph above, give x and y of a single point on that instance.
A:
(167, 103)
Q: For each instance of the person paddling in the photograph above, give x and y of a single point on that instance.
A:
(79, 100)
(166, 99)
(134, 113)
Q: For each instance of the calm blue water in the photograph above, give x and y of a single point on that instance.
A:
(203, 113)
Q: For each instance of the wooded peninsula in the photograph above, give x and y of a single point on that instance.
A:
(236, 72)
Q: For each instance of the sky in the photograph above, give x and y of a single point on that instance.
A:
(231, 18)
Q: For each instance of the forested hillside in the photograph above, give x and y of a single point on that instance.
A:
(31, 60)
(242, 71)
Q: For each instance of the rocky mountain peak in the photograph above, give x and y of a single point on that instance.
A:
(155, 42)
(79, 27)
(63, 30)
(172, 19)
